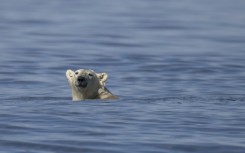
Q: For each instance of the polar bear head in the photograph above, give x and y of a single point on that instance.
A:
(85, 84)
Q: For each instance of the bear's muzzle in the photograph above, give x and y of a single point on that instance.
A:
(82, 82)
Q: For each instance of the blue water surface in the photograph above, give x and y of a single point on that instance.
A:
(177, 66)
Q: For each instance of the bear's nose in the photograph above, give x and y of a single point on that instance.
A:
(81, 79)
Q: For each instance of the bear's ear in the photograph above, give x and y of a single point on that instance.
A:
(102, 78)
(69, 74)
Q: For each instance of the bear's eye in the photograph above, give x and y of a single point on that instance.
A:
(76, 73)
(90, 74)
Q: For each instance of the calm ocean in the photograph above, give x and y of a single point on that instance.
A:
(177, 66)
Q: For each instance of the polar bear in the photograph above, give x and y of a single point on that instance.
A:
(86, 84)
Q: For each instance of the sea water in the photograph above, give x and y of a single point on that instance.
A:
(178, 68)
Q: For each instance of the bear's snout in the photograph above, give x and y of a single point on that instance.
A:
(82, 81)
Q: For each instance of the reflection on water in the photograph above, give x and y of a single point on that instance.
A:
(178, 68)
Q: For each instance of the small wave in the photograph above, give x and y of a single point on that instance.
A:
(20, 145)
(39, 98)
